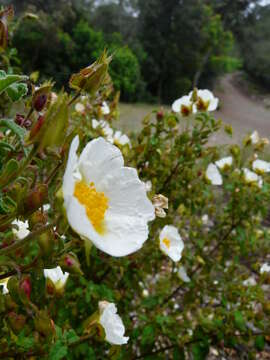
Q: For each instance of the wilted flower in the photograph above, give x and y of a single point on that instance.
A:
(252, 178)
(112, 323)
(224, 162)
(171, 243)
(213, 175)
(22, 228)
(106, 203)
(105, 108)
(183, 274)
(205, 100)
(80, 108)
(160, 203)
(265, 268)
(57, 276)
(261, 166)
(183, 105)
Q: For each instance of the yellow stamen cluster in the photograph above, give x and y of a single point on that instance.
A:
(167, 242)
(95, 203)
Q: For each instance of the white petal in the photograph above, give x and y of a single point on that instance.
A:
(254, 137)
(105, 108)
(183, 274)
(252, 177)
(226, 161)
(265, 268)
(80, 108)
(177, 104)
(69, 179)
(175, 249)
(56, 275)
(213, 175)
(261, 165)
(112, 324)
(22, 231)
(99, 158)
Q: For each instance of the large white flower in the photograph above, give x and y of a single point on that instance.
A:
(261, 166)
(182, 274)
(112, 324)
(106, 203)
(57, 276)
(224, 162)
(21, 230)
(252, 178)
(3, 284)
(265, 268)
(170, 242)
(213, 175)
(206, 101)
(183, 105)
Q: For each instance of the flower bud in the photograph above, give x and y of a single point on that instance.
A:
(19, 119)
(35, 199)
(37, 218)
(25, 288)
(40, 102)
(70, 263)
(16, 321)
(43, 324)
(160, 114)
(46, 242)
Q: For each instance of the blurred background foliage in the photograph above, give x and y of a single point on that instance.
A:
(161, 48)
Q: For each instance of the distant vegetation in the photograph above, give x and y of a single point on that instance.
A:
(161, 48)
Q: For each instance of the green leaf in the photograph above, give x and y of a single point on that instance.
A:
(58, 351)
(200, 350)
(7, 80)
(16, 91)
(11, 125)
(9, 171)
(239, 321)
(260, 342)
(148, 335)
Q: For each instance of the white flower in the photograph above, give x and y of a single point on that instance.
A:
(213, 175)
(261, 166)
(205, 219)
(206, 101)
(183, 274)
(57, 276)
(254, 137)
(105, 128)
(183, 105)
(224, 162)
(265, 268)
(105, 108)
(148, 185)
(3, 284)
(250, 281)
(112, 323)
(106, 203)
(22, 230)
(252, 178)
(145, 293)
(170, 242)
(80, 108)
(121, 139)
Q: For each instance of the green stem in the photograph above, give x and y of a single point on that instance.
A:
(75, 97)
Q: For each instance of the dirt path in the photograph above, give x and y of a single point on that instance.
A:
(240, 110)
(236, 109)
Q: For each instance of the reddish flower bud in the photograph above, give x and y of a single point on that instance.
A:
(35, 199)
(160, 114)
(19, 119)
(70, 263)
(26, 287)
(40, 102)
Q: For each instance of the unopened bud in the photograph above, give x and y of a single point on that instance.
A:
(160, 114)
(26, 287)
(16, 321)
(46, 242)
(40, 101)
(43, 324)
(37, 218)
(70, 263)
(36, 198)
